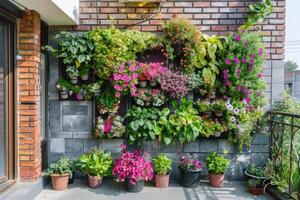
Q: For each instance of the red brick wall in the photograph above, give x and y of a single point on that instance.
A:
(211, 16)
(28, 97)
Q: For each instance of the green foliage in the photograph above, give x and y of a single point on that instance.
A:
(61, 167)
(258, 12)
(162, 165)
(290, 65)
(142, 124)
(216, 164)
(72, 71)
(74, 49)
(92, 90)
(213, 58)
(184, 124)
(63, 85)
(182, 42)
(95, 163)
(113, 47)
(256, 171)
(254, 183)
(107, 102)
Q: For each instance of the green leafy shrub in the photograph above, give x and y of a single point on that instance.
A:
(113, 47)
(216, 164)
(61, 167)
(95, 163)
(162, 165)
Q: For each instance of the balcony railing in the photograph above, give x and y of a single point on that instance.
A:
(284, 153)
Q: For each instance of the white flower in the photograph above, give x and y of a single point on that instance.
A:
(243, 110)
(232, 118)
(236, 110)
(229, 107)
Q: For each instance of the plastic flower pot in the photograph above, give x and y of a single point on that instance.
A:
(59, 182)
(189, 178)
(138, 187)
(94, 181)
(153, 83)
(256, 190)
(71, 180)
(79, 96)
(84, 77)
(74, 80)
(63, 94)
(162, 181)
(216, 180)
(143, 84)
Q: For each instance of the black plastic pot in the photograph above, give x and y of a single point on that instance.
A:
(138, 187)
(71, 180)
(189, 178)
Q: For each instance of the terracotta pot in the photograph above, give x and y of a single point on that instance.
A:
(216, 180)
(257, 190)
(138, 187)
(94, 181)
(162, 181)
(59, 182)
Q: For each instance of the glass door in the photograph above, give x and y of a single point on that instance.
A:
(6, 100)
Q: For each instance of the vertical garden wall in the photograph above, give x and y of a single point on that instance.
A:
(71, 123)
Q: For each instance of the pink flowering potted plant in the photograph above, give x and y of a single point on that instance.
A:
(153, 71)
(190, 171)
(133, 169)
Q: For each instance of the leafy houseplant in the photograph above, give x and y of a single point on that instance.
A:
(190, 170)
(142, 124)
(63, 86)
(78, 91)
(84, 72)
(256, 176)
(133, 169)
(73, 74)
(95, 164)
(162, 167)
(216, 165)
(60, 172)
(182, 43)
(150, 97)
(91, 90)
(112, 127)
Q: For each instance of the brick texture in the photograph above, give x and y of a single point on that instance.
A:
(28, 110)
(211, 16)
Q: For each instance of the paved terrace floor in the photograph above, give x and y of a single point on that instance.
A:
(115, 191)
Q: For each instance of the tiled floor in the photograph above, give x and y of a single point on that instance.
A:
(115, 191)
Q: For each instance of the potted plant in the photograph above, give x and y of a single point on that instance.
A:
(142, 81)
(63, 87)
(162, 167)
(91, 90)
(133, 169)
(60, 172)
(84, 72)
(190, 171)
(257, 176)
(216, 165)
(95, 164)
(73, 74)
(78, 92)
(112, 127)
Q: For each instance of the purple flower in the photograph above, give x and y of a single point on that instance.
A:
(227, 83)
(228, 61)
(237, 38)
(244, 60)
(239, 88)
(260, 75)
(247, 100)
(252, 56)
(260, 51)
(250, 67)
(236, 61)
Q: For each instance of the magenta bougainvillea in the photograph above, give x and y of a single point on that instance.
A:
(132, 166)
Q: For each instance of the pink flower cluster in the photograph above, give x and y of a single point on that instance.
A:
(190, 163)
(153, 70)
(132, 166)
(125, 78)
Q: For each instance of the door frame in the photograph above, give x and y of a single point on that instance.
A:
(10, 105)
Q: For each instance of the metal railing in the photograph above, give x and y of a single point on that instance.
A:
(284, 152)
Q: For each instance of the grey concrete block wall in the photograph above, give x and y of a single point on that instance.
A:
(70, 125)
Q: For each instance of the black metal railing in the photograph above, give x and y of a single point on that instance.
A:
(284, 153)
